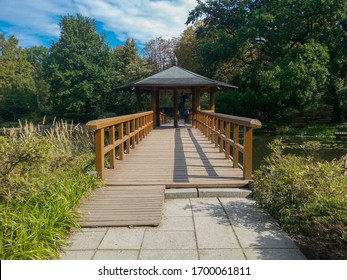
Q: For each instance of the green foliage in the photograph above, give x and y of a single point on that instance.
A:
(43, 177)
(283, 55)
(37, 56)
(80, 69)
(307, 197)
(187, 52)
(17, 86)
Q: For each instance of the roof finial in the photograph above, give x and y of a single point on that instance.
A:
(175, 60)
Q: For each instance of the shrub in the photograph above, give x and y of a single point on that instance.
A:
(308, 198)
(42, 178)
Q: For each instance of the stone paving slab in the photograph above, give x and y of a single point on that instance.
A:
(116, 255)
(78, 255)
(274, 254)
(181, 193)
(214, 233)
(196, 228)
(177, 207)
(221, 254)
(87, 240)
(123, 238)
(174, 223)
(207, 207)
(169, 240)
(254, 227)
(224, 192)
(169, 255)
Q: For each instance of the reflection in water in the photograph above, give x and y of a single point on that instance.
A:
(331, 148)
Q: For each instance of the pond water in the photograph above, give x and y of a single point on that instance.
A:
(331, 148)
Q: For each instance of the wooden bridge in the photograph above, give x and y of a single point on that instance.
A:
(137, 162)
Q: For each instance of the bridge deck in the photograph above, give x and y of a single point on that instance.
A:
(167, 157)
(181, 157)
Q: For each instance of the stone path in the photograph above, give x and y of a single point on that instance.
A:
(191, 228)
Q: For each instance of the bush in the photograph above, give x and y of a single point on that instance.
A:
(42, 178)
(308, 198)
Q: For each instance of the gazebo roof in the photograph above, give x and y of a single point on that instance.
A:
(175, 77)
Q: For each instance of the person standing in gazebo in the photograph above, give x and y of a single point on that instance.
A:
(186, 116)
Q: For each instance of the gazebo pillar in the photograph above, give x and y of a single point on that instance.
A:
(212, 100)
(175, 103)
(195, 103)
(154, 107)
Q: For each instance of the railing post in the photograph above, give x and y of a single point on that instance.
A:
(142, 132)
(121, 135)
(236, 141)
(247, 155)
(227, 136)
(127, 131)
(137, 135)
(215, 134)
(133, 128)
(221, 132)
(99, 152)
(112, 152)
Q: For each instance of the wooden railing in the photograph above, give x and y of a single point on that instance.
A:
(163, 118)
(225, 132)
(124, 132)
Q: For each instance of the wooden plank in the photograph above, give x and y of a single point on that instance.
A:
(123, 206)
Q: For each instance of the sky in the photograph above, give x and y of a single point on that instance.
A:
(36, 22)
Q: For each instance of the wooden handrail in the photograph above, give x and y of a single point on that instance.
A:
(163, 118)
(131, 129)
(219, 128)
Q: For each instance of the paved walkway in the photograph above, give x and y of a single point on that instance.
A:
(195, 228)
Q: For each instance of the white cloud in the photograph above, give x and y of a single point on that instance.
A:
(139, 19)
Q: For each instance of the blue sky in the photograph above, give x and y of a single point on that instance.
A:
(36, 22)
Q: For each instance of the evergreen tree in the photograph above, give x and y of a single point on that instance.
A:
(80, 69)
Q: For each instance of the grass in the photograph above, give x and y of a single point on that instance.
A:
(42, 179)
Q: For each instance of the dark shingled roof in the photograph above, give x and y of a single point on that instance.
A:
(174, 77)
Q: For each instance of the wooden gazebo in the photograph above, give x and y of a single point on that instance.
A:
(175, 81)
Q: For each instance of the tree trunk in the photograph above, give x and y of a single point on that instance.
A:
(337, 114)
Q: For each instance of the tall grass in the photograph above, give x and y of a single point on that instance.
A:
(42, 179)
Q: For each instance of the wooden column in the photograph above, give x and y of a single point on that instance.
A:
(175, 103)
(157, 112)
(154, 107)
(212, 100)
(195, 104)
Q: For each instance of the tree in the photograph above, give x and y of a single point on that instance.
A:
(160, 53)
(130, 66)
(80, 69)
(285, 49)
(38, 56)
(17, 86)
(188, 53)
